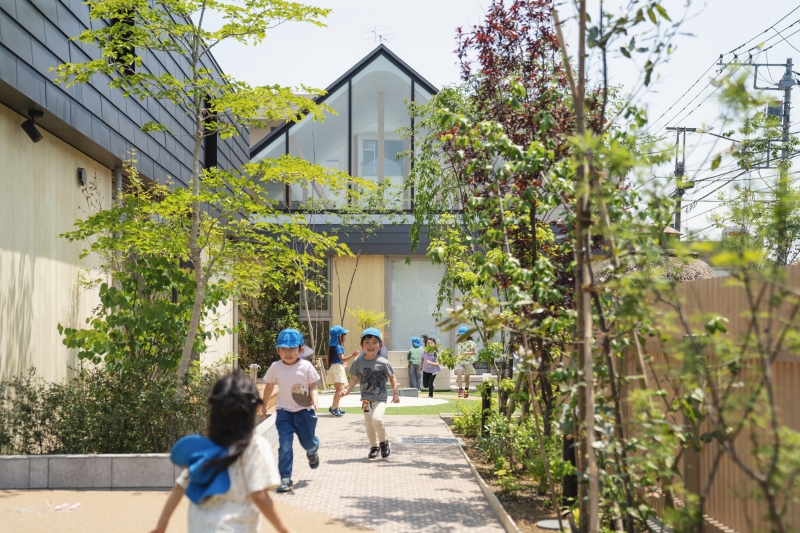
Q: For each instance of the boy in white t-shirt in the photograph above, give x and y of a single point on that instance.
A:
(296, 403)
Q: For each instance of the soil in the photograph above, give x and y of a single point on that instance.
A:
(526, 506)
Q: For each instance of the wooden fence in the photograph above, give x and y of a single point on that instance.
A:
(730, 505)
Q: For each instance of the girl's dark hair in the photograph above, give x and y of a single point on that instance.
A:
(425, 340)
(332, 351)
(233, 400)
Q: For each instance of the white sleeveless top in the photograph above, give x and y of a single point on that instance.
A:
(234, 511)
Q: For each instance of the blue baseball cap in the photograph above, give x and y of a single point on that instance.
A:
(375, 332)
(416, 342)
(462, 330)
(289, 338)
(335, 331)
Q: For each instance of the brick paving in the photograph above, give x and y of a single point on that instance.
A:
(420, 487)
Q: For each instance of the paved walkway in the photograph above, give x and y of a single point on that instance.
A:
(33, 511)
(420, 487)
(354, 400)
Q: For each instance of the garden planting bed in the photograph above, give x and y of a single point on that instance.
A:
(525, 505)
(152, 471)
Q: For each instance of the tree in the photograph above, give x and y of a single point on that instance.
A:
(246, 240)
(144, 312)
(231, 243)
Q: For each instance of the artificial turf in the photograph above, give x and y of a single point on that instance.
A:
(448, 407)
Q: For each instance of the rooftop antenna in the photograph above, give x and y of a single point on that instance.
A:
(379, 34)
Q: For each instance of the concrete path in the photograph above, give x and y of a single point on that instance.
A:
(420, 487)
(33, 511)
(354, 400)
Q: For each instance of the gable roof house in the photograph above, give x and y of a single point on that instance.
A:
(363, 140)
(87, 126)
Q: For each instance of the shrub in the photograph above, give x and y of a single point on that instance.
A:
(274, 309)
(100, 412)
(468, 419)
(513, 446)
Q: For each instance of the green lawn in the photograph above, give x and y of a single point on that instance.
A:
(449, 407)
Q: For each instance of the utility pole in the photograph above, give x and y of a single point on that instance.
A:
(680, 171)
(786, 84)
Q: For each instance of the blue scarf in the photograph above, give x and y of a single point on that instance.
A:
(194, 452)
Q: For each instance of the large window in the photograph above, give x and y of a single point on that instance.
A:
(414, 286)
(275, 149)
(366, 136)
(380, 93)
(325, 144)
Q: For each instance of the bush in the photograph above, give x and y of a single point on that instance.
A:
(468, 419)
(100, 412)
(513, 446)
(274, 309)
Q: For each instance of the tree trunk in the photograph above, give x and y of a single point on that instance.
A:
(195, 254)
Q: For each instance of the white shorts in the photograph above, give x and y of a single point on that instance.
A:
(337, 374)
(465, 368)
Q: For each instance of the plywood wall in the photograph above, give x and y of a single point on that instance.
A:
(40, 198)
(367, 290)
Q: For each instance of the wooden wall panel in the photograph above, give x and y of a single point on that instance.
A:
(367, 290)
(730, 502)
(40, 198)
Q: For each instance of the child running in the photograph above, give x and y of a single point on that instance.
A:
(336, 361)
(372, 371)
(296, 404)
(466, 356)
(430, 364)
(228, 474)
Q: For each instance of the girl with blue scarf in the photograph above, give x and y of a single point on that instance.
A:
(227, 475)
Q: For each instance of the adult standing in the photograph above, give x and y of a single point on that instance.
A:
(466, 355)
(336, 361)
(414, 361)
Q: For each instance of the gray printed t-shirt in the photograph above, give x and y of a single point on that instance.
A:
(372, 376)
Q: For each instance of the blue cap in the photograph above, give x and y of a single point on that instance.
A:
(335, 332)
(415, 342)
(289, 338)
(194, 452)
(462, 330)
(375, 332)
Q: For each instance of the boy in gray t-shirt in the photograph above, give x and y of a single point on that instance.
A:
(372, 371)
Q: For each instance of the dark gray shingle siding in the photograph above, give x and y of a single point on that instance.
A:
(34, 36)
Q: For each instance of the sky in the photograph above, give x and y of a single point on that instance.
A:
(422, 33)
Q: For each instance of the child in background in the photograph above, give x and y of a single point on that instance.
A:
(372, 371)
(229, 473)
(414, 360)
(466, 355)
(296, 404)
(430, 364)
(336, 361)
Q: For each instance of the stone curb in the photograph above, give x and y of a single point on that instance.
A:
(505, 519)
(147, 471)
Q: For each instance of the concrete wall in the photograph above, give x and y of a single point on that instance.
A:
(40, 199)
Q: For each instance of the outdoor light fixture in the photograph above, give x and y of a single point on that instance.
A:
(82, 176)
(30, 125)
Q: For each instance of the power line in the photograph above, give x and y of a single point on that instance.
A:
(765, 31)
(712, 66)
